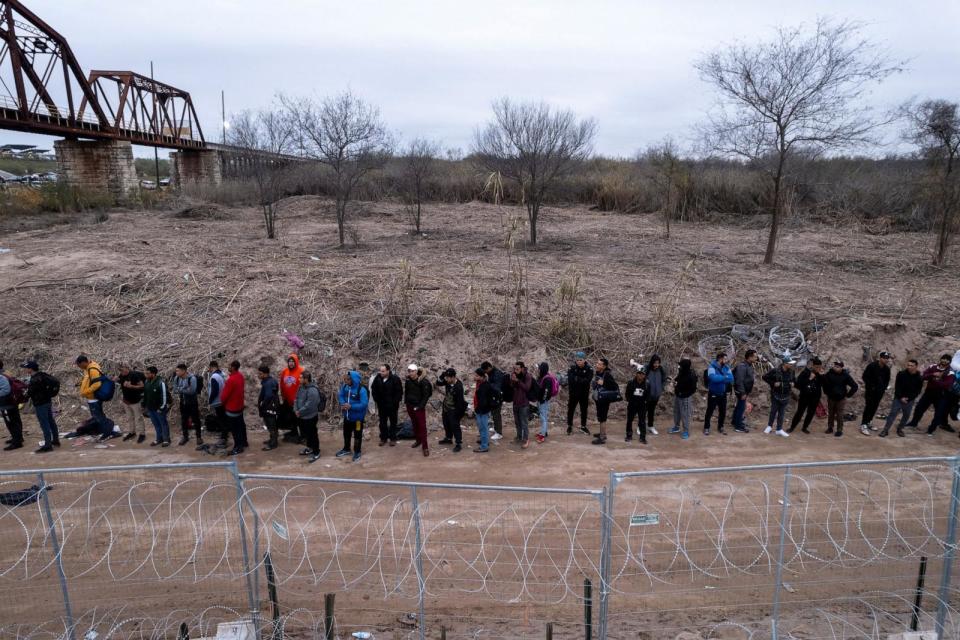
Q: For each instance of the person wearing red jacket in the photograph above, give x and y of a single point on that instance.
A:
(232, 398)
(289, 379)
(939, 378)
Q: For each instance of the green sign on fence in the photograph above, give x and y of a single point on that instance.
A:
(644, 519)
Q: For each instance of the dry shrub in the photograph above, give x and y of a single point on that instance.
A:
(20, 201)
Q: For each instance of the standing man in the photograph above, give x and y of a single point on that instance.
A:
(809, 386)
(876, 379)
(549, 388)
(454, 408)
(605, 390)
(497, 380)
(10, 411)
(684, 386)
(267, 402)
(188, 389)
(416, 395)
(719, 379)
(781, 381)
(353, 404)
(214, 389)
(156, 400)
(520, 382)
(482, 405)
(289, 384)
(657, 379)
(638, 395)
(131, 384)
(41, 390)
(90, 383)
(939, 378)
(387, 392)
(743, 378)
(838, 386)
(306, 409)
(579, 379)
(232, 397)
(906, 388)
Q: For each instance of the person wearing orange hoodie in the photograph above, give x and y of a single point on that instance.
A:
(289, 385)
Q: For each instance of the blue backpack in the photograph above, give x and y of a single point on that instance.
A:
(107, 388)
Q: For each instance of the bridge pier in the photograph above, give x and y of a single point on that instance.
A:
(98, 165)
(196, 167)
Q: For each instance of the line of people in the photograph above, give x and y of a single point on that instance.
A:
(293, 401)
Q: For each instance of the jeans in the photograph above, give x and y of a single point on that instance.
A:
(718, 403)
(682, 410)
(160, 425)
(47, 424)
(352, 430)
(483, 426)
(308, 429)
(835, 413)
(521, 418)
(871, 402)
(926, 401)
(96, 412)
(133, 414)
(581, 400)
(640, 413)
(940, 410)
(418, 419)
(544, 414)
(496, 414)
(806, 410)
(740, 412)
(778, 411)
(387, 416)
(902, 408)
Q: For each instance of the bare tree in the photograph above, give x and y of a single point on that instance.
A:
(346, 134)
(272, 132)
(934, 126)
(533, 145)
(800, 91)
(419, 165)
(670, 175)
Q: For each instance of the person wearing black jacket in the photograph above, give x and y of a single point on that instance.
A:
(781, 381)
(483, 402)
(454, 408)
(579, 379)
(604, 386)
(268, 402)
(838, 385)
(387, 392)
(876, 379)
(638, 397)
(906, 389)
(40, 390)
(684, 386)
(809, 386)
(498, 384)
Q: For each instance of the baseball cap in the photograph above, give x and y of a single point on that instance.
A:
(838, 363)
(412, 367)
(580, 355)
(884, 354)
(30, 364)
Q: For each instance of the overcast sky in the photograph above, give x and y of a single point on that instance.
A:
(433, 66)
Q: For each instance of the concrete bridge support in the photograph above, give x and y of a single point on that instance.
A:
(196, 168)
(98, 165)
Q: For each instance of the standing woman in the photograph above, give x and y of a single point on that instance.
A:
(657, 379)
(605, 392)
(549, 388)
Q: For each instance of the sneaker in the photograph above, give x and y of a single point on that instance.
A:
(569, 430)
(674, 430)
(872, 428)
(129, 436)
(706, 432)
(686, 435)
(481, 450)
(722, 432)
(901, 434)
(524, 444)
(456, 449)
(948, 428)
(884, 433)
(382, 443)
(393, 443)
(166, 443)
(541, 438)
(741, 430)
(306, 452)
(356, 456)
(652, 431)
(270, 446)
(643, 441)
(426, 453)
(446, 441)
(155, 443)
(597, 440)
(183, 440)
(782, 433)
(415, 445)
(768, 429)
(343, 452)
(141, 438)
(44, 449)
(838, 433)
(628, 439)
(829, 430)
(313, 458)
(929, 434)
(496, 436)
(864, 429)
(585, 430)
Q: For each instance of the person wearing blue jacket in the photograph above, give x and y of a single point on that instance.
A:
(353, 403)
(719, 382)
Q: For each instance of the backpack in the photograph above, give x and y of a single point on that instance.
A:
(107, 387)
(322, 402)
(534, 392)
(706, 377)
(18, 390)
(53, 385)
(199, 380)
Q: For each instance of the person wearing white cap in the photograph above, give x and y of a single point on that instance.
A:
(781, 381)
(416, 393)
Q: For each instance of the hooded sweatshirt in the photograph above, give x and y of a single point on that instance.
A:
(232, 394)
(685, 384)
(354, 395)
(290, 381)
(781, 381)
(307, 402)
(549, 387)
(87, 385)
(656, 378)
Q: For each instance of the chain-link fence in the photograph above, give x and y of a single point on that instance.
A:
(822, 550)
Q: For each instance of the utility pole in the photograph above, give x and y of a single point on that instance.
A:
(223, 115)
(156, 124)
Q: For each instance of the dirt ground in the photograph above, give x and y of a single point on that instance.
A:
(158, 287)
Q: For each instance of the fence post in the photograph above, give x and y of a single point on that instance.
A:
(606, 528)
(58, 557)
(783, 540)
(251, 595)
(421, 586)
(950, 548)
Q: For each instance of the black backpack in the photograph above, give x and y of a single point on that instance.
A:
(322, 402)
(199, 383)
(534, 392)
(52, 384)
